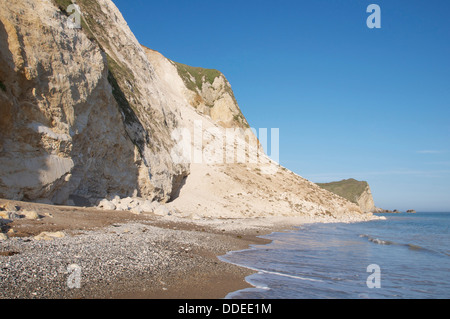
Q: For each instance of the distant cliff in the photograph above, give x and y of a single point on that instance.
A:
(357, 192)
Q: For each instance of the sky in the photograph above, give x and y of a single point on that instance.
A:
(350, 101)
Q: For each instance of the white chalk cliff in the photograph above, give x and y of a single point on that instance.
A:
(90, 113)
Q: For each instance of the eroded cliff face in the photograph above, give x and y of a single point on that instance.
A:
(365, 201)
(81, 109)
(205, 90)
(239, 189)
(210, 93)
(89, 113)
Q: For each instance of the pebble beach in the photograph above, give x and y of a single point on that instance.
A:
(101, 254)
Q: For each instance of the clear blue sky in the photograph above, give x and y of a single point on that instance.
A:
(371, 104)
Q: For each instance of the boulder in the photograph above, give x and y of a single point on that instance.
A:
(49, 235)
(30, 214)
(137, 210)
(127, 203)
(8, 217)
(148, 206)
(106, 205)
(5, 215)
(11, 232)
(9, 207)
(162, 211)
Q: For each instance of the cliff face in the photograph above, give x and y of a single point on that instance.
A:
(207, 91)
(82, 111)
(355, 191)
(210, 93)
(234, 190)
(366, 202)
(90, 113)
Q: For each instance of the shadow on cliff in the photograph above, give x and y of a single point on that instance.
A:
(133, 126)
(177, 184)
(110, 169)
(139, 135)
(18, 177)
(6, 109)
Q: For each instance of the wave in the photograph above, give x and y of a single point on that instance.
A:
(409, 246)
(285, 275)
(262, 271)
(378, 241)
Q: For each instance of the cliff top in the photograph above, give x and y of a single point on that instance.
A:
(350, 189)
(194, 77)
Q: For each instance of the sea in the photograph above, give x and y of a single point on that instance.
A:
(406, 256)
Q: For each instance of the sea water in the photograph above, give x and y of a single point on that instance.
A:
(404, 256)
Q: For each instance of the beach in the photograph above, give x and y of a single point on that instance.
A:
(119, 254)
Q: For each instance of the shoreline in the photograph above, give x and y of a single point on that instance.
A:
(121, 255)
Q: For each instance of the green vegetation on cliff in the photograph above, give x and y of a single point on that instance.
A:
(120, 76)
(350, 189)
(62, 5)
(90, 25)
(193, 76)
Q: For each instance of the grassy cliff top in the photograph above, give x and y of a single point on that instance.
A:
(350, 189)
(194, 77)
